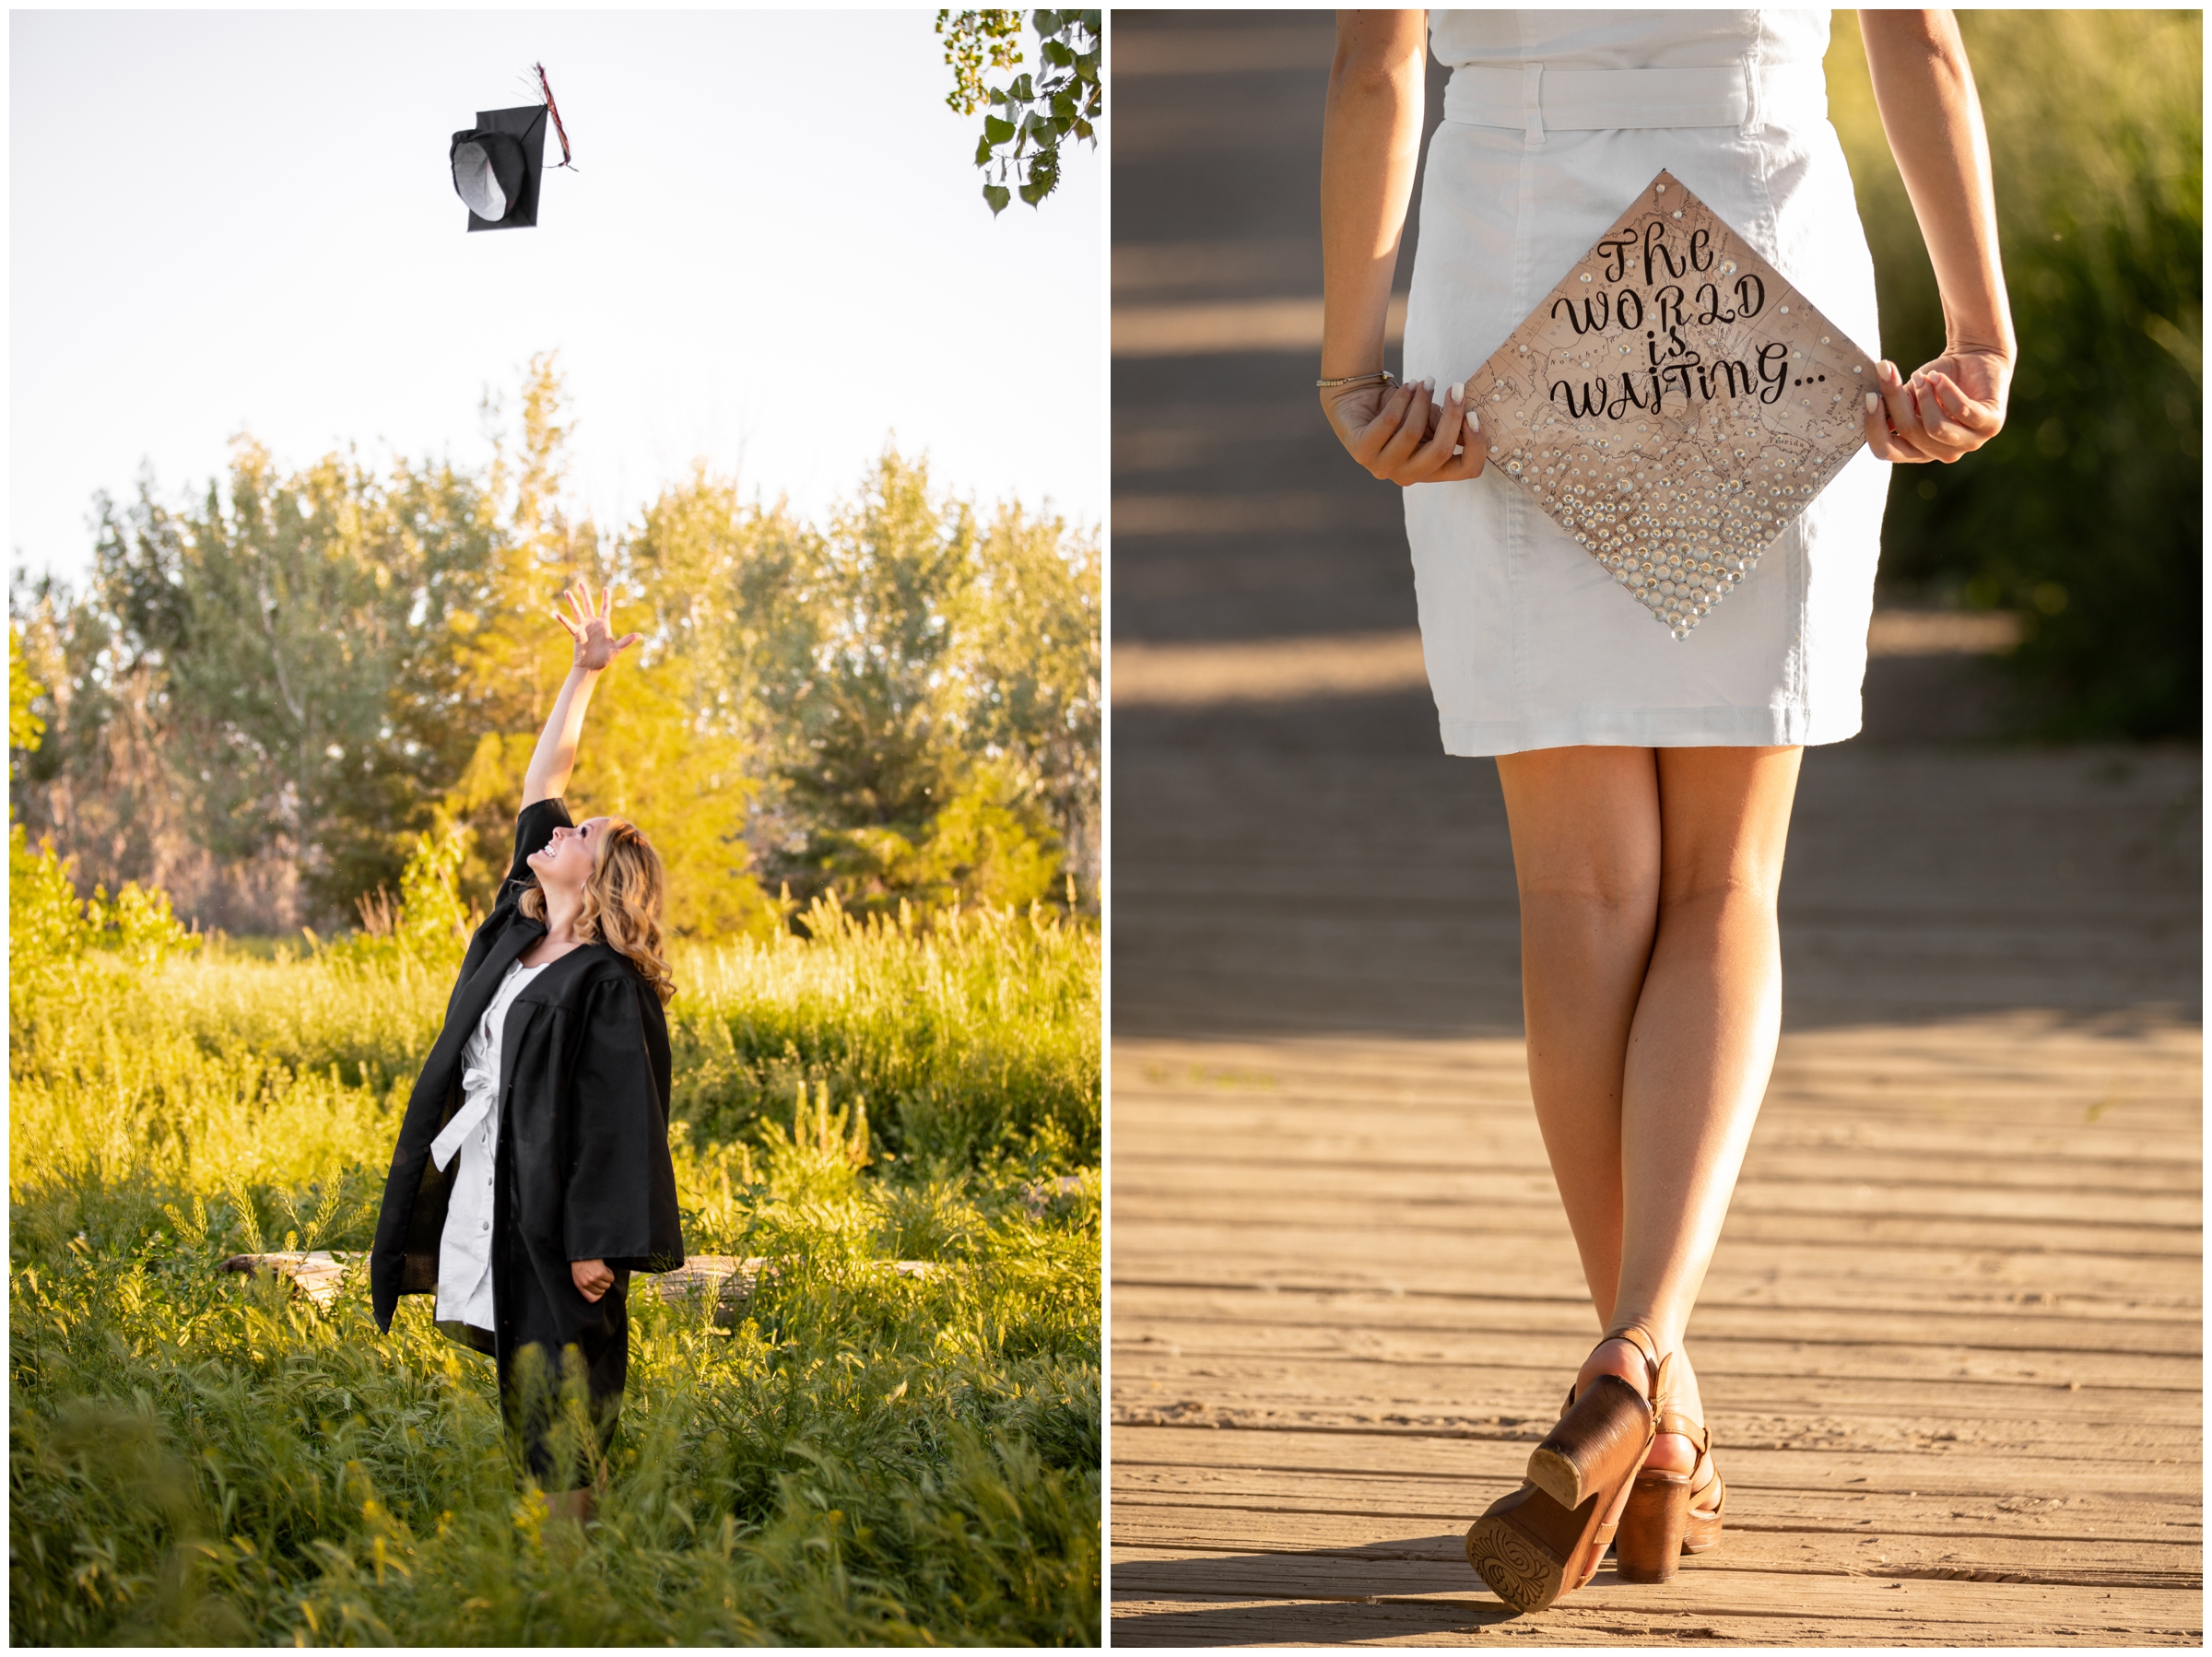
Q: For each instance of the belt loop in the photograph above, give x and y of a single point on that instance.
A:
(1755, 114)
(1532, 102)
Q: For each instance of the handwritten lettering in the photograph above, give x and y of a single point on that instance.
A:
(1655, 238)
(1590, 318)
(1593, 400)
(1672, 363)
(1775, 368)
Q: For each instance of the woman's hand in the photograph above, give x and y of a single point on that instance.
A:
(1925, 89)
(1950, 407)
(596, 644)
(1388, 432)
(591, 1278)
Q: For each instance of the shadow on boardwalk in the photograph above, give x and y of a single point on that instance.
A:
(1951, 1342)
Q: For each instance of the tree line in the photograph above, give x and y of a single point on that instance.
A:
(259, 701)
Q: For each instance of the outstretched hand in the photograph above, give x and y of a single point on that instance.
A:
(597, 646)
(1950, 407)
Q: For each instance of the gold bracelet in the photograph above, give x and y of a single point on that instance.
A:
(1384, 375)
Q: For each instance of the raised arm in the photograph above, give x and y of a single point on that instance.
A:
(596, 648)
(1925, 89)
(1371, 144)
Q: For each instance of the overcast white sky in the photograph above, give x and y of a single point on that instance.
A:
(774, 252)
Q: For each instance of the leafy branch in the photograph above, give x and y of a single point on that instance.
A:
(1026, 122)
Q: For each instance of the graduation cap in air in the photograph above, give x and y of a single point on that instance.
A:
(498, 163)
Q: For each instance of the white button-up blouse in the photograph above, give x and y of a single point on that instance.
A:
(465, 1250)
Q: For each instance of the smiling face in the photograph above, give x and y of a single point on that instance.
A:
(566, 861)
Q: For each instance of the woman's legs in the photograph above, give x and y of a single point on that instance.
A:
(1651, 973)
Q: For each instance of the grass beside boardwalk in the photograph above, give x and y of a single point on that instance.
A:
(870, 1458)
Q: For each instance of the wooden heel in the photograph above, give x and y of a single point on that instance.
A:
(1596, 1443)
(1531, 1550)
(1520, 1549)
(1650, 1541)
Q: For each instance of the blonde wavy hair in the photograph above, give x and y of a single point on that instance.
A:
(621, 902)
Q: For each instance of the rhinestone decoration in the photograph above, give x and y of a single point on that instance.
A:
(1677, 469)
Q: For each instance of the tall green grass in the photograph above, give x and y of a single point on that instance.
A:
(869, 1458)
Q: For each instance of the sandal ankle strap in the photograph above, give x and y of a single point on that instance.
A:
(1638, 1336)
(1655, 1366)
(1697, 1432)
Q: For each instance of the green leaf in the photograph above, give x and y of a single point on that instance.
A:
(1046, 23)
(983, 150)
(1054, 54)
(997, 131)
(998, 197)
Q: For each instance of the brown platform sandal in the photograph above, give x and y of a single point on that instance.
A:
(1547, 1538)
(1669, 1514)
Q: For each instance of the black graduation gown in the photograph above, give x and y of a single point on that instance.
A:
(581, 1168)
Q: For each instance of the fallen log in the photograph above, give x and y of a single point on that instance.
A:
(1037, 1195)
(319, 1274)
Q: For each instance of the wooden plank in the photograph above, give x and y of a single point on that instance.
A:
(1318, 1189)
(1291, 1603)
(1144, 1527)
(1848, 1472)
(2163, 1520)
(2056, 1616)
(1815, 1333)
(1884, 1375)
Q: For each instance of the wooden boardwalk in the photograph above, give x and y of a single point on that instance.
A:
(1950, 1346)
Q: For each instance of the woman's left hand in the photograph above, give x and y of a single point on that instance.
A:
(596, 646)
(1950, 407)
(1407, 435)
(591, 1278)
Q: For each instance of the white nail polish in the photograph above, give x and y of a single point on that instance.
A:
(1873, 402)
(1459, 391)
(1473, 421)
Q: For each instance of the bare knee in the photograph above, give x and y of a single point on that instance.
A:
(1618, 888)
(1731, 890)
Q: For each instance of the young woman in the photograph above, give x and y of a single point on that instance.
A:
(532, 1174)
(1647, 780)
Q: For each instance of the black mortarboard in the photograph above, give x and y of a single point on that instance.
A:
(497, 166)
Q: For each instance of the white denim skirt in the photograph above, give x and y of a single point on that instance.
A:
(1529, 642)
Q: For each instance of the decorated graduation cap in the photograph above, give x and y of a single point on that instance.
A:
(1674, 404)
(498, 164)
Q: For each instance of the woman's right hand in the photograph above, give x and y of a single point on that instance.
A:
(597, 646)
(1388, 431)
